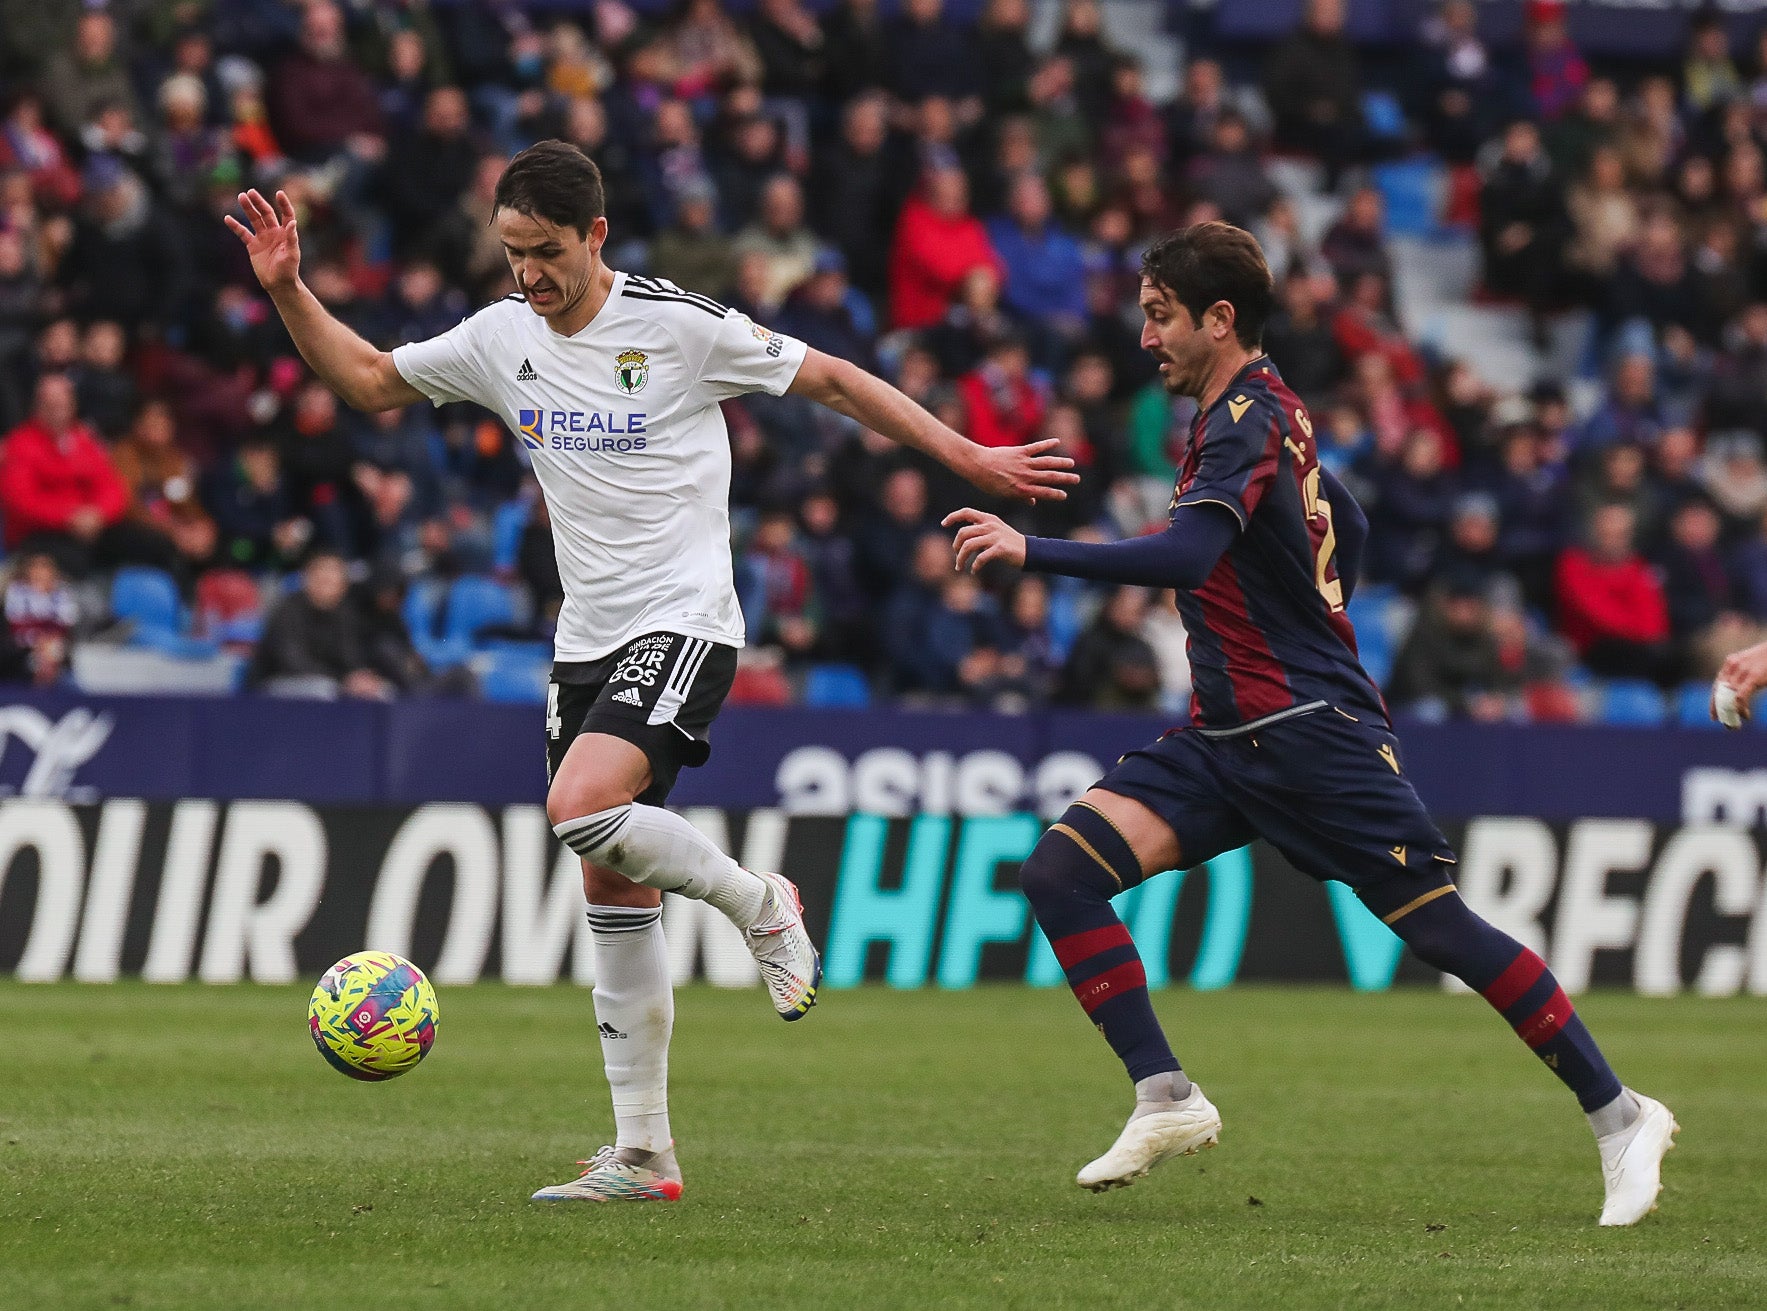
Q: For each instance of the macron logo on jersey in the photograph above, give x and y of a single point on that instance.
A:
(569, 430)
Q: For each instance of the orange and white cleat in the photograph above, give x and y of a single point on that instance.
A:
(621, 1174)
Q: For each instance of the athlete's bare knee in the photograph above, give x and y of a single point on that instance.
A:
(606, 887)
(598, 773)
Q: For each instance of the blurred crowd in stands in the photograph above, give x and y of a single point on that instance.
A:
(943, 199)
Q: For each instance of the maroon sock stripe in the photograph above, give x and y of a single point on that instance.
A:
(1508, 987)
(1113, 983)
(1543, 1025)
(1076, 947)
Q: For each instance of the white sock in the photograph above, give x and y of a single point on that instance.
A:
(1616, 1115)
(659, 849)
(635, 1014)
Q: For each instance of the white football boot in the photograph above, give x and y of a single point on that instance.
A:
(621, 1174)
(1152, 1137)
(1632, 1162)
(790, 964)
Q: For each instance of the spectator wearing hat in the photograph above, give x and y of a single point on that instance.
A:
(126, 262)
(827, 314)
(1556, 69)
(691, 252)
(1735, 477)
(1472, 548)
(1451, 665)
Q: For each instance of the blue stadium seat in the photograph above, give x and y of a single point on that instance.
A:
(515, 677)
(507, 524)
(1376, 649)
(475, 603)
(441, 652)
(147, 598)
(837, 687)
(1693, 706)
(422, 602)
(1633, 703)
(1411, 192)
(1382, 115)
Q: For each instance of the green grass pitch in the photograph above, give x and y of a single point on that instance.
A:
(186, 1148)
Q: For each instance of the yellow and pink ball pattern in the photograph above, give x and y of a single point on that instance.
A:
(373, 1015)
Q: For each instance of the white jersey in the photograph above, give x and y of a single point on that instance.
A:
(623, 426)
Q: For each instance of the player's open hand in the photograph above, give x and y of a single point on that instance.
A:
(271, 240)
(1744, 673)
(1024, 473)
(984, 537)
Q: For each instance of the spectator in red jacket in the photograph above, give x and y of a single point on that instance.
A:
(938, 242)
(1002, 404)
(1611, 604)
(60, 493)
(320, 100)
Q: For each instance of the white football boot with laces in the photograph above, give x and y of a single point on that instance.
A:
(1151, 1137)
(621, 1174)
(1632, 1162)
(790, 965)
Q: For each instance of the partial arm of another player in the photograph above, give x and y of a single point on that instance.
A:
(362, 376)
(1024, 473)
(1744, 673)
(1351, 525)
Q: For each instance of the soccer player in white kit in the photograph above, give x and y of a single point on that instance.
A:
(612, 383)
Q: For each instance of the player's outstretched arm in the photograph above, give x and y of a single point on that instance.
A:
(361, 375)
(1182, 556)
(1022, 473)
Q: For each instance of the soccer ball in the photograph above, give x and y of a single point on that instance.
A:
(373, 1015)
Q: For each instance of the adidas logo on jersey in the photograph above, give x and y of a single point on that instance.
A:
(526, 373)
(627, 697)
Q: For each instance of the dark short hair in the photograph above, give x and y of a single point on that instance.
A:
(555, 182)
(1209, 262)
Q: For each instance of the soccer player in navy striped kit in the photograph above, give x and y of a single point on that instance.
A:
(1289, 739)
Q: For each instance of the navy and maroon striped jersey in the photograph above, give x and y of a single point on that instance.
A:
(1268, 632)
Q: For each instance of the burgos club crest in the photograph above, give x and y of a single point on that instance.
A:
(631, 371)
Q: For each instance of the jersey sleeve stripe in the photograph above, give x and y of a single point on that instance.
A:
(666, 298)
(670, 289)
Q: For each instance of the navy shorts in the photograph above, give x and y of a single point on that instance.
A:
(1326, 789)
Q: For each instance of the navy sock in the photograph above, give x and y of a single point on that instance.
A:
(1077, 866)
(1444, 932)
